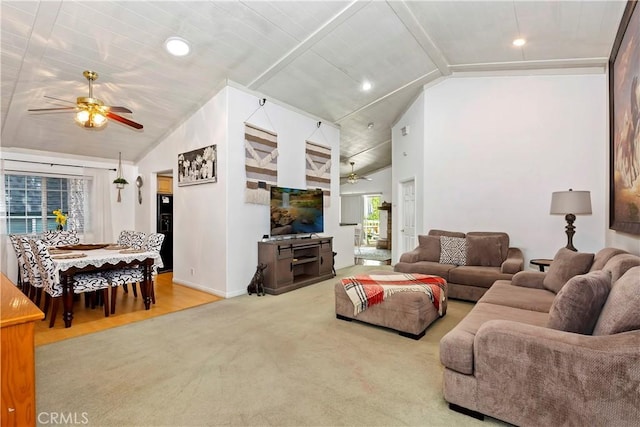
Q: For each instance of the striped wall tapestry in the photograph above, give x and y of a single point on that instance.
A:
(319, 169)
(261, 163)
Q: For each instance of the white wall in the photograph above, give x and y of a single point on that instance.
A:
(249, 222)
(215, 231)
(407, 163)
(199, 211)
(495, 148)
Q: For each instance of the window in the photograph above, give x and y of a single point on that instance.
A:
(31, 200)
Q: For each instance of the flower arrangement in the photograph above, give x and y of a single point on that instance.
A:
(61, 219)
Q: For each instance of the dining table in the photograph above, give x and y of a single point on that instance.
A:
(94, 258)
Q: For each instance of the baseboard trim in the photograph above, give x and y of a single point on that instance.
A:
(465, 411)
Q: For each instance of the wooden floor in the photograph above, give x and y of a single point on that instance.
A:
(170, 297)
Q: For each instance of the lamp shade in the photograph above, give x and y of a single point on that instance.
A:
(570, 202)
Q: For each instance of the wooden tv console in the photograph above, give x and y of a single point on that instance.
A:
(294, 263)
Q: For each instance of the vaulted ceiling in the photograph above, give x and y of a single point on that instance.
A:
(311, 55)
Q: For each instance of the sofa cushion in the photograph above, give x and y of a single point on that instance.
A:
(429, 248)
(577, 306)
(446, 233)
(484, 251)
(425, 267)
(620, 312)
(565, 265)
(619, 264)
(482, 277)
(453, 250)
(502, 292)
(503, 237)
(456, 347)
(603, 256)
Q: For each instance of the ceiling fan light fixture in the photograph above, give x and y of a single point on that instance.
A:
(352, 178)
(177, 46)
(90, 118)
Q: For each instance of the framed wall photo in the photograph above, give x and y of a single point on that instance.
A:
(197, 166)
(624, 124)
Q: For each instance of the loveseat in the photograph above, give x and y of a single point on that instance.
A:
(555, 348)
(470, 263)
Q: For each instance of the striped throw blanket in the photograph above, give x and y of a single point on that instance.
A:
(367, 290)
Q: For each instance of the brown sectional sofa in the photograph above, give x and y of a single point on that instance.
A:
(530, 356)
(488, 258)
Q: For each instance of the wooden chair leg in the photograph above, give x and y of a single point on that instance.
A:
(54, 311)
(125, 288)
(47, 302)
(32, 293)
(135, 290)
(114, 293)
(105, 296)
(38, 296)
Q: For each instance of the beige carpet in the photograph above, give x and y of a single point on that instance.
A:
(250, 361)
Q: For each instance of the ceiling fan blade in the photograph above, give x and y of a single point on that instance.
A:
(51, 109)
(119, 110)
(58, 99)
(124, 120)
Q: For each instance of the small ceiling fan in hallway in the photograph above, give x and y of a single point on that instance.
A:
(353, 177)
(91, 112)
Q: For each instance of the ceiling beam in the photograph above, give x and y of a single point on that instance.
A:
(351, 156)
(308, 43)
(411, 23)
(420, 81)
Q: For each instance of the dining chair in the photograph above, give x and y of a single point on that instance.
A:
(35, 280)
(61, 237)
(135, 240)
(124, 238)
(82, 282)
(23, 275)
(133, 275)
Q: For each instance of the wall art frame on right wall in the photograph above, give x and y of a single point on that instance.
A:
(624, 124)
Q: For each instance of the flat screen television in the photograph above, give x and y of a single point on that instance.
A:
(295, 211)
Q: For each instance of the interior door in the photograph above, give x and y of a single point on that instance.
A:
(408, 216)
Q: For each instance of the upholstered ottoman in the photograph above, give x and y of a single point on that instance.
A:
(408, 312)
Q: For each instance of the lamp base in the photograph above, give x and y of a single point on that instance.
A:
(571, 230)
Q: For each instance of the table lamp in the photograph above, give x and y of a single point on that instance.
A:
(570, 203)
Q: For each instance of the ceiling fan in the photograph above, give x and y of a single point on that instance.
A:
(353, 177)
(91, 112)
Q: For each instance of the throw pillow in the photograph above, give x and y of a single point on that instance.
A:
(577, 306)
(429, 248)
(565, 265)
(453, 250)
(484, 250)
(620, 313)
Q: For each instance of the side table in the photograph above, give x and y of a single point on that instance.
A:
(541, 263)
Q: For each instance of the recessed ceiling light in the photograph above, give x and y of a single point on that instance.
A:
(519, 42)
(366, 85)
(177, 46)
(370, 125)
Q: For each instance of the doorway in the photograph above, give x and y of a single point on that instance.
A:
(164, 219)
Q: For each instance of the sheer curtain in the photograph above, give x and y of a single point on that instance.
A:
(97, 207)
(8, 261)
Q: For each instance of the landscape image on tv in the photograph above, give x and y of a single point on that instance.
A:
(295, 211)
